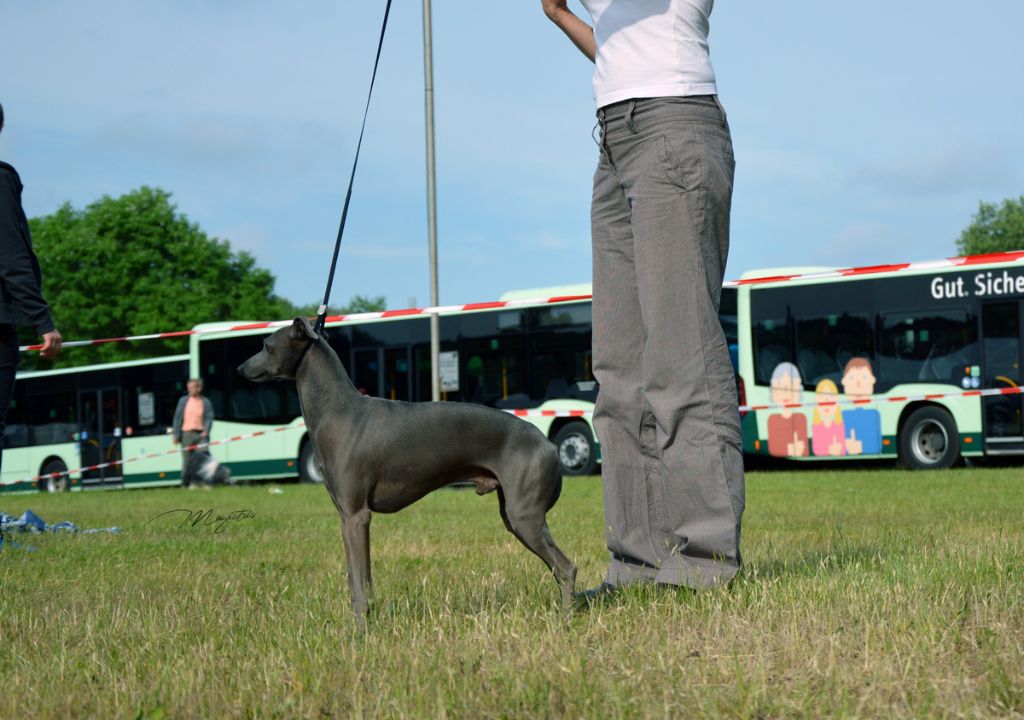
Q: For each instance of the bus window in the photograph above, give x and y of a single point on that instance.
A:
(824, 344)
(16, 432)
(563, 315)
(560, 361)
(931, 345)
(52, 416)
(771, 347)
(234, 397)
(1001, 330)
(730, 324)
(494, 371)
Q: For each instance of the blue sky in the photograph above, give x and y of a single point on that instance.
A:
(864, 132)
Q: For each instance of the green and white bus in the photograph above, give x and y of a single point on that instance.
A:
(883, 362)
(531, 356)
(97, 415)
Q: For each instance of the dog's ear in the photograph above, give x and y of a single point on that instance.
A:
(302, 329)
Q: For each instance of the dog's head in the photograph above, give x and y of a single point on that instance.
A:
(281, 354)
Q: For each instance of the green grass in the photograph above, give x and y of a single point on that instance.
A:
(866, 593)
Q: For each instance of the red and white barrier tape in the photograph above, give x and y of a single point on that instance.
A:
(1004, 257)
(873, 400)
(550, 413)
(335, 319)
(533, 412)
(877, 400)
(151, 456)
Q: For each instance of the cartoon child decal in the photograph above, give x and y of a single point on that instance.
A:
(787, 431)
(828, 435)
(863, 424)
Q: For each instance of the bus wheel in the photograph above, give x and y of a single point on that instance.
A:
(309, 471)
(54, 484)
(929, 440)
(576, 449)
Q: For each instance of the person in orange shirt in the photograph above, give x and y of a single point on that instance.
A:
(193, 419)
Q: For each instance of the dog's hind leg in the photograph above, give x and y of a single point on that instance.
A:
(355, 532)
(531, 529)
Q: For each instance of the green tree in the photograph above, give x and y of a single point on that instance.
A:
(995, 228)
(134, 265)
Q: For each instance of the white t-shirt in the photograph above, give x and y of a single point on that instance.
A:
(651, 48)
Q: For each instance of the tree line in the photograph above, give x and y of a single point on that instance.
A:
(136, 265)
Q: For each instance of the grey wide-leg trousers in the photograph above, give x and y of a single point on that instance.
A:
(666, 414)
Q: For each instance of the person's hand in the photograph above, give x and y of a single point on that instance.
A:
(51, 344)
(835, 448)
(553, 7)
(204, 434)
(853, 445)
(798, 445)
(581, 34)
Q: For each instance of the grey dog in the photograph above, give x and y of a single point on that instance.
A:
(383, 455)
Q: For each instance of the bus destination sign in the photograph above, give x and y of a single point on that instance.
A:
(990, 283)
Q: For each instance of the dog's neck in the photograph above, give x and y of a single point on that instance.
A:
(321, 364)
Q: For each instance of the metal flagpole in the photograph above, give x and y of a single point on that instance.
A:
(435, 323)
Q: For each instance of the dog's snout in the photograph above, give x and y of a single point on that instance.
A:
(246, 369)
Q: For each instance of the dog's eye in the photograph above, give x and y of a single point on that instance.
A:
(268, 349)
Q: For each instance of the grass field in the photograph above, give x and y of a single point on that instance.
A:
(866, 593)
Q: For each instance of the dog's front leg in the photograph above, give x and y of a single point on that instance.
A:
(355, 532)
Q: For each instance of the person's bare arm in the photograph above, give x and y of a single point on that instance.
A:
(581, 34)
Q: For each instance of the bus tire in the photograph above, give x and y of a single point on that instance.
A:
(309, 471)
(61, 483)
(929, 440)
(576, 451)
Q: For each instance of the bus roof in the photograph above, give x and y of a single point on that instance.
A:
(543, 293)
(812, 275)
(101, 366)
(784, 271)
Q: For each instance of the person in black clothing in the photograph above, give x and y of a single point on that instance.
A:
(21, 295)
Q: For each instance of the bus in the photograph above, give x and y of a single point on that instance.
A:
(530, 356)
(883, 362)
(63, 420)
(862, 363)
(535, 356)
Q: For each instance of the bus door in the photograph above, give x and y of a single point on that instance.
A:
(397, 375)
(366, 371)
(1001, 325)
(100, 436)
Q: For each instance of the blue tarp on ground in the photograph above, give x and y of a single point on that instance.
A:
(31, 523)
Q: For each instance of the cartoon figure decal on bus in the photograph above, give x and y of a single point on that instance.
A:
(863, 424)
(828, 434)
(787, 430)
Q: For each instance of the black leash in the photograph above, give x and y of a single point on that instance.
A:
(321, 313)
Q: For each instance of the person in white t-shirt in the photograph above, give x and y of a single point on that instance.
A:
(666, 413)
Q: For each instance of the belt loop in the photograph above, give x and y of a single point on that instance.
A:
(725, 120)
(629, 117)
